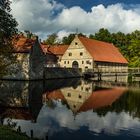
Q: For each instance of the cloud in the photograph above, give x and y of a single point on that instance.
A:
(45, 17)
(54, 120)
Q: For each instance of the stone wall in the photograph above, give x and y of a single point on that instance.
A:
(19, 68)
(55, 73)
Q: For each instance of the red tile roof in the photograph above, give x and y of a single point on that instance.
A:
(102, 51)
(23, 44)
(55, 49)
(101, 98)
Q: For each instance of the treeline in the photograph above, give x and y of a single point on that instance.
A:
(128, 44)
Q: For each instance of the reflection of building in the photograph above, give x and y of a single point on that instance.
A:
(96, 55)
(84, 97)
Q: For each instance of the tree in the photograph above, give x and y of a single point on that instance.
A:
(102, 35)
(134, 53)
(7, 30)
(52, 39)
(7, 24)
(69, 39)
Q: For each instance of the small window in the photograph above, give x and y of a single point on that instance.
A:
(69, 95)
(80, 96)
(74, 106)
(70, 54)
(82, 62)
(68, 62)
(76, 43)
(81, 88)
(81, 53)
(64, 62)
(87, 89)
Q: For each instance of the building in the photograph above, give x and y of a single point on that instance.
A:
(89, 54)
(56, 50)
(29, 59)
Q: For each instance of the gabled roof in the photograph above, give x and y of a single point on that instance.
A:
(55, 49)
(102, 51)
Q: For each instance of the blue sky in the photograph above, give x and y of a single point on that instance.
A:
(87, 4)
(63, 17)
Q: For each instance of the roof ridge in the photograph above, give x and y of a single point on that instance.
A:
(96, 40)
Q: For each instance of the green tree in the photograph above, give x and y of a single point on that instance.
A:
(68, 39)
(102, 35)
(7, 30)
(134, 53)
(52, 39)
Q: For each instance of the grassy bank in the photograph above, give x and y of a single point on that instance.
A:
(7, 133)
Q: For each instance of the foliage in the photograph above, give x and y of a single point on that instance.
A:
(128, 102)
(6, 133)
(67, 40)
(7, 24)
(128, 44)
(7, 30)
(51, 40)
(134, 53)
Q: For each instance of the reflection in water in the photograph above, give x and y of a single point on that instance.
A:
(65, 109)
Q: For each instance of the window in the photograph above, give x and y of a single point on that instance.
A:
(64, 62)
(69, 95)
(70, 54)
(82, 62)
(87, 89)
(80, 96)
(81, 53)
(81, 88)
(74, 106)
(76, 43)
(68, 62)
(88, 62)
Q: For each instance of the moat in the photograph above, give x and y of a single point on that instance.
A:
(72, 109)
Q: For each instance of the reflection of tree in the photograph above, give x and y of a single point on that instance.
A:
(129, 102)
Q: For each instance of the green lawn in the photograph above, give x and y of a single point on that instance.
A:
(7, 133)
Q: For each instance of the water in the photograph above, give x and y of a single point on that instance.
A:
(72, 109)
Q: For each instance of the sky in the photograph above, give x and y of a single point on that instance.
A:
(44, 17)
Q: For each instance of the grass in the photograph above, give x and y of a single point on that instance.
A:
(6, 133)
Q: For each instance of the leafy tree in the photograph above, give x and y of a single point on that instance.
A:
(7, 30)
(52, 39)
(69, 39)
(134, 53)
(7, 24)
(102, 35)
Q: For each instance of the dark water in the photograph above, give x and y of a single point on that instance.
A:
(72, 109)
